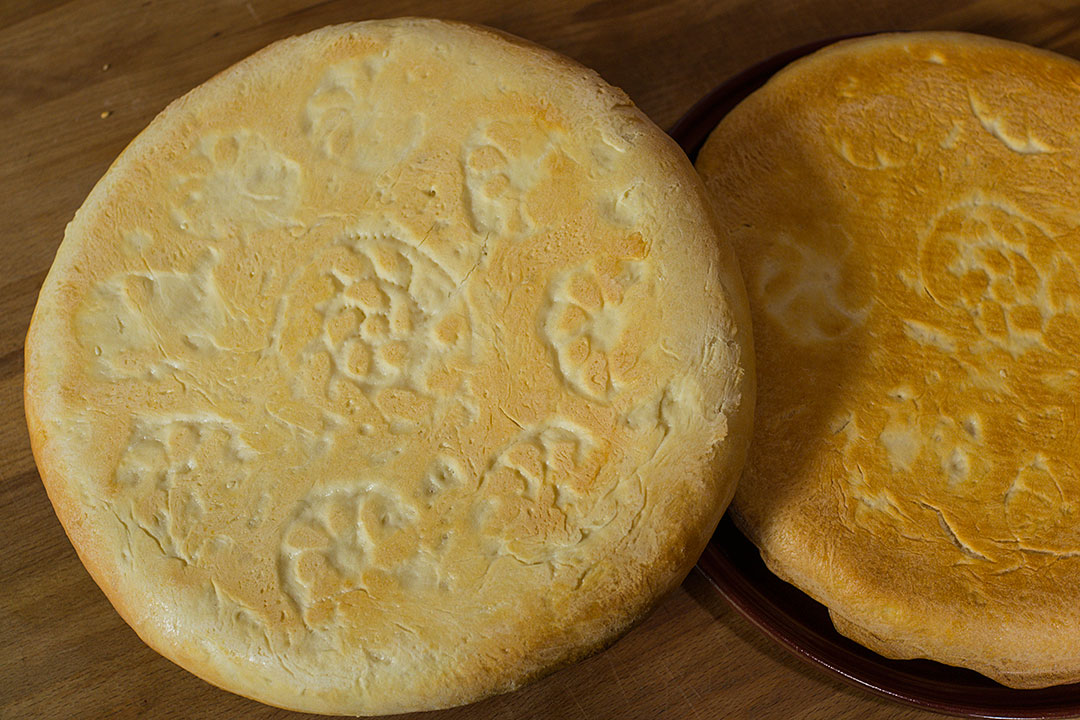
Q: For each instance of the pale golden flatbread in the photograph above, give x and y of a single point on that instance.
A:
(906, 209)
(391, 368)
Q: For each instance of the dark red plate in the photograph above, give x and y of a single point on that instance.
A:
(802, 625)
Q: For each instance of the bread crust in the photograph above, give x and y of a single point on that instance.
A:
(307, 385)
(902, 208)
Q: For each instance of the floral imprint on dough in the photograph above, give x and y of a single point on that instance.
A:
(583, 319)
(237, 183)
(145, 323)
(378, 316)
(1004, 269)
(351, 121)
(337, 535)
(172, 475)
(1041, 508)
(541, 493)
(801, 288)
(503, 161)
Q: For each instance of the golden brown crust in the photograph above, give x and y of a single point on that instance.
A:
(904, 210)
(391, 368)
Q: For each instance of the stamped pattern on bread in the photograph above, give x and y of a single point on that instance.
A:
(148, 323)
(174, 473)
(876, 153)
(541, 497)
(232, 616)
(1003, 268)
(954, 444)
(358, 537)
(1041, 507)
(380, 316)
(503, 161)
(237, 183)
(583, 320)
(352, 121)
(803, 290)
(1016, 139)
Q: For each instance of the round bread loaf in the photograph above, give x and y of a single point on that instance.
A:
(906, 209)
(392, 367)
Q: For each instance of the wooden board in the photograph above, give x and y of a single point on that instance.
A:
(79, 79)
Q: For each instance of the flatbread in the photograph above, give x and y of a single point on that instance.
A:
(905, 208)
(392, 367)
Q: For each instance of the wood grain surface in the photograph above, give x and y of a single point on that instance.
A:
(80, 78)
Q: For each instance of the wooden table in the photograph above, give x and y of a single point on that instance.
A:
(78, 80)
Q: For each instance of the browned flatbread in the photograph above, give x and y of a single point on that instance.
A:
(906, 209)
(391, 368)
